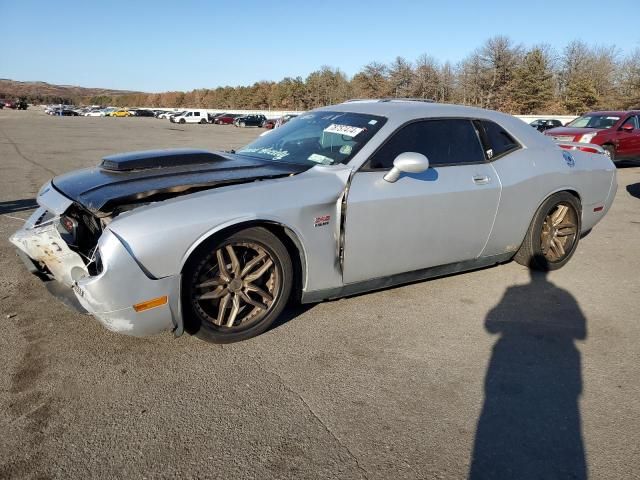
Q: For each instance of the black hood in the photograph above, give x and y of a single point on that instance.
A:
(139, 177)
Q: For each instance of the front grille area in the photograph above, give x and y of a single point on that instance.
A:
(86, 237)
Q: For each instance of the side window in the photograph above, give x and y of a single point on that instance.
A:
(196, 114)
(500, 142)
(632, 120)
(443, 142)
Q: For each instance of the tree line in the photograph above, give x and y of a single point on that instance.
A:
(500, 75)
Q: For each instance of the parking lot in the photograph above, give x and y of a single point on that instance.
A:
(435, 379)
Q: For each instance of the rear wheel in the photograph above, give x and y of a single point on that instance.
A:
(203, 121)
(235, 288)
(553, 235)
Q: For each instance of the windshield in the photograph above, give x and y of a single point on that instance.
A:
(594, 121)
(322, 137)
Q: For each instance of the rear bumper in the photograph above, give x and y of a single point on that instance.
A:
(110, 295)
(593, 213)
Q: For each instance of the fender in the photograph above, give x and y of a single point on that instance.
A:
(247, 221)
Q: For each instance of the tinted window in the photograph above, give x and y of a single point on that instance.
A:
(500, 142)
(443, 142)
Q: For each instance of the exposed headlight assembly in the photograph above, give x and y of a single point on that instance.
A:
(587, 137)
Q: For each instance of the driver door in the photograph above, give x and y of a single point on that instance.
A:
(629, 142)
(441, 216)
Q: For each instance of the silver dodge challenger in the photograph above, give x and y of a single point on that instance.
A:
(341, 200)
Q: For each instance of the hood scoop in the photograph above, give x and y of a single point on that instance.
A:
(149, 159)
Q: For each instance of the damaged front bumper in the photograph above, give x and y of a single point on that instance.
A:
(111, 294)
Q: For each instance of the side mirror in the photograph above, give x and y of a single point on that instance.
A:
(627, 128)
(409, 162)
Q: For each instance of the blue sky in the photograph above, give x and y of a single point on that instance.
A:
(180, 45)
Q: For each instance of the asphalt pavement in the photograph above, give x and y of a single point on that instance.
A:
(490, 374)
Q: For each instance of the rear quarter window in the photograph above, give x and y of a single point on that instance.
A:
(499, 141)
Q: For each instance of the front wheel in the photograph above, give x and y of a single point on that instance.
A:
(553, 235)
(182, 120)
(235, 288)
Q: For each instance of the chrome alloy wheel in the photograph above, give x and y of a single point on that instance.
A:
(559, 232)
(237, 286)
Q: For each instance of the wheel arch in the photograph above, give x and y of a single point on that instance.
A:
(550, 194)
(570, 190)
(287, 235)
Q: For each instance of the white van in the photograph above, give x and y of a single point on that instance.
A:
(194, 116)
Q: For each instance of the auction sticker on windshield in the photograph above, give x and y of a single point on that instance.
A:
(346, 130)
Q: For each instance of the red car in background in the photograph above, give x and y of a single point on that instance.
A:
(617, 132)
(226, 119)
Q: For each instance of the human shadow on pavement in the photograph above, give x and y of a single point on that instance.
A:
(13, 206)
(530, 424)
(634, 190)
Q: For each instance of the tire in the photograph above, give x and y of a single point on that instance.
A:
(203, 121)
(540, 250)
(610, 150)
(204, 289)
(182, 120)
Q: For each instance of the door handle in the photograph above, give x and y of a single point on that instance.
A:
(481, 179)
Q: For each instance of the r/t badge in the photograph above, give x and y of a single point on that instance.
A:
(321, 221)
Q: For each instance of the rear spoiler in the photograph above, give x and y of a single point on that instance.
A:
(585, 147)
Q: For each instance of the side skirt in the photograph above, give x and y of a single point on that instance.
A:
(402, 278)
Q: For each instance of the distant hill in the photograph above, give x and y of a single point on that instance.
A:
(43, 92)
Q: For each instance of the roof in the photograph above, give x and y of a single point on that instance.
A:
(613, 112)
(400, 111)
(411, 108)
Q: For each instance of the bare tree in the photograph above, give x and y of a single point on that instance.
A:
(426, 78)
(401, 77)
(372, 81)
(498, 58)
(630, 80)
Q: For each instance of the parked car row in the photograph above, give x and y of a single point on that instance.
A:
(176, 116)
(543, 124)
(18, 104)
